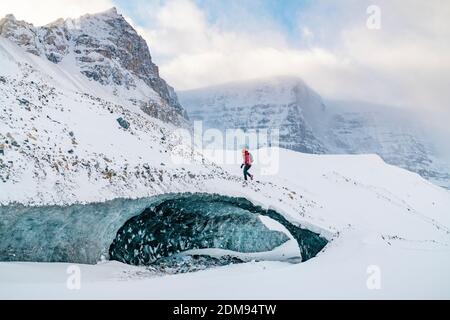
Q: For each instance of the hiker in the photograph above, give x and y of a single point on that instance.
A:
(247, 163)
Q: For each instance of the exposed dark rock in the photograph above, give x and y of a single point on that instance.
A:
(23, 102)
(108, 50)
(123, 123)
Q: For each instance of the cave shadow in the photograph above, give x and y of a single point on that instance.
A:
(185, 211)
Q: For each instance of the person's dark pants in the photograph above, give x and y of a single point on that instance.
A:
(246, 173)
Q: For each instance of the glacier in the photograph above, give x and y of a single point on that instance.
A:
(368, 218)
(141, 231)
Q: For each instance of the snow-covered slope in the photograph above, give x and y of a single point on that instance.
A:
(308, 124)
(66, 139)
(106, 49)
(64, 146)
(381, 220)
(60, 136)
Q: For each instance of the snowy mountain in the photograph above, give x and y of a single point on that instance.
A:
(104, 48)
(387, 231)
(91, 174)
(89, 116)
(309, 124)
(399, 138)
(65, 138)
(282, 103)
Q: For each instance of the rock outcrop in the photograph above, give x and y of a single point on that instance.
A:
(105, 48)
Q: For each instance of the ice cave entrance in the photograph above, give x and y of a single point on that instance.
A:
(154, 231)
(184, 223)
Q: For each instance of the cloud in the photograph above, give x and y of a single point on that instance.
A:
(45, 11)
(405, 63)
(201, 43)
(193, 52)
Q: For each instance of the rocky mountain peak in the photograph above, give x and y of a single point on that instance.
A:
(9, 17)
(57, 23)
(112, 12)
(20, 32)
(285, 104)
(96, 19)
(104, 47)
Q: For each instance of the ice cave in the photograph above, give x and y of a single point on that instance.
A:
(144, 231)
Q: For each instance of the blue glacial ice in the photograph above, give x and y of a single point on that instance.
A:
(140, 231)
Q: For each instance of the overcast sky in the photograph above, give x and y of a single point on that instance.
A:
(198, 43)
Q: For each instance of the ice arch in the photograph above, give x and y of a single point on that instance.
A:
(83, 233)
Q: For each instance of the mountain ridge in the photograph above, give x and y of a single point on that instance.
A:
(311, 124)
(105, 48)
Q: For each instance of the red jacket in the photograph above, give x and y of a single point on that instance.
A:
(247, 157)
